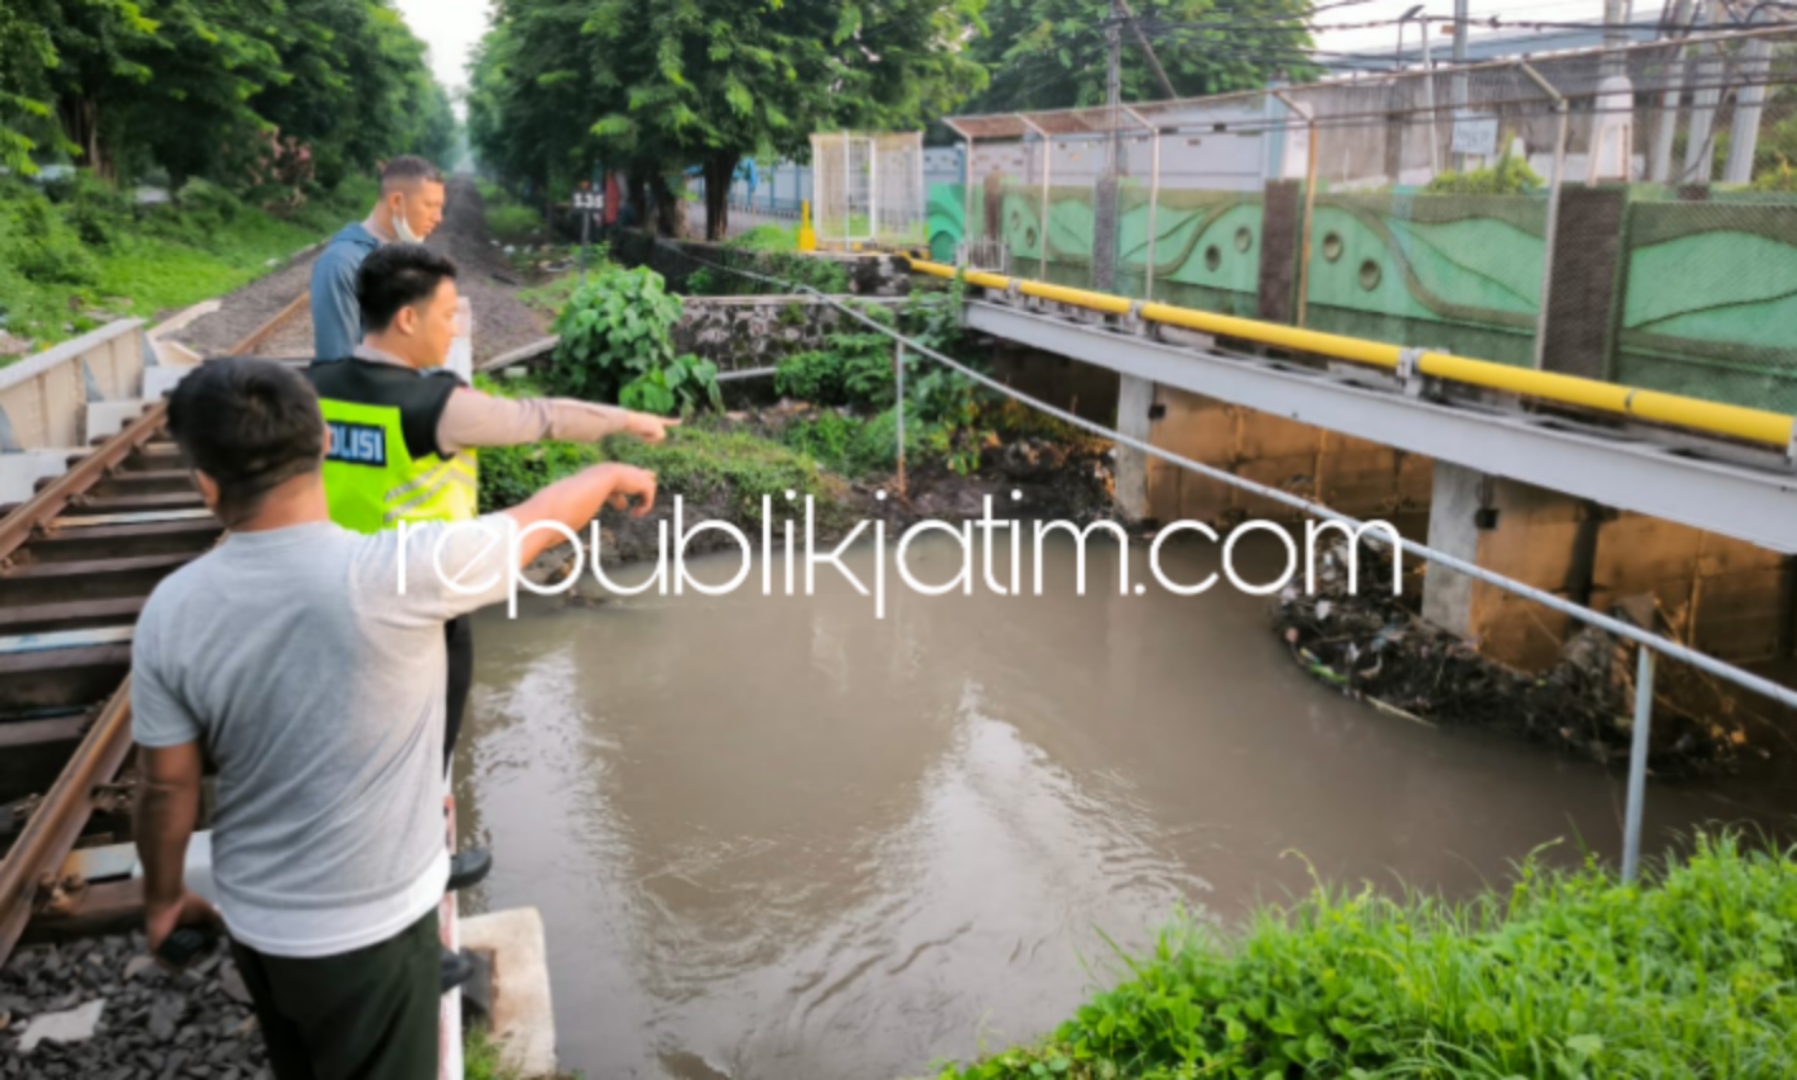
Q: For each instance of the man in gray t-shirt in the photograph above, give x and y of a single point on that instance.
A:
(307, 662)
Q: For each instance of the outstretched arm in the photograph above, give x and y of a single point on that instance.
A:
(577, 500)
(474, 419)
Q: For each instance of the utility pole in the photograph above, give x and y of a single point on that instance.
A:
(1458, 94)
(1113, 81)
(1104, 203)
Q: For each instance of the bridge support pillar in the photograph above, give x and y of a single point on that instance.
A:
(1724, 596)
(1135, 411)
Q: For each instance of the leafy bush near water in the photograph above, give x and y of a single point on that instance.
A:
(617, 345)
(1566, 976)
(947, 416)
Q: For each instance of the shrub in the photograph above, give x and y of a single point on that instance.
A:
(616, 344)
(39, 243)
(97, 211)
(825, 275)
(768, 237)
(1508, 176)
(514, 224)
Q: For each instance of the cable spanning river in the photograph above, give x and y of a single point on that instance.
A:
(776, 838)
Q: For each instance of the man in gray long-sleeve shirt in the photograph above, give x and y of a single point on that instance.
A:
(410, 209)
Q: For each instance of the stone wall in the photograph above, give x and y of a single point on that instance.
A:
(676, 260)
(743, 332)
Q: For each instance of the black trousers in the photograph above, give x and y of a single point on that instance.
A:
(370, 1014)
(459, 634)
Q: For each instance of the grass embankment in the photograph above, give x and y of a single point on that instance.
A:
(707, 461)
(769, 237)
(1566, 975)
(77, 253)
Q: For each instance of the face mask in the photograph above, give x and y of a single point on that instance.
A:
(402, 228)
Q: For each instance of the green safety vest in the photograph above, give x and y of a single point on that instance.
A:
(384, 466)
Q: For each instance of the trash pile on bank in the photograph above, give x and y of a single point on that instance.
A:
(1368, 644)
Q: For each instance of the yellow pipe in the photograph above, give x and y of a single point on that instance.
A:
(1110, 305)
(1652, 406)
(1375, 353)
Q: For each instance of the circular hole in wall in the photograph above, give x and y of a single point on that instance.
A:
(1243, 239)
(1212, 258)
(1029, 237)
(1332, 246)
(1370, 275)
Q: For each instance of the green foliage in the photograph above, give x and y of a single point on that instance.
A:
(769, 237)
(616, 345)
(1050, 54)
(856, 369)
(1507, 176)
(657, 85)
(705, 460)
(40, 243)
(1567, 975)
(68, 265)
(480, 1057)
(98, 212)
(271, 97)
(826, 275)
(514, 224)
(683, 384)
(511, 474)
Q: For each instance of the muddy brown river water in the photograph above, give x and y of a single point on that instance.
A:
(773, 838)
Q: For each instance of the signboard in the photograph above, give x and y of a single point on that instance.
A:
(1475, 133)
(589, 200)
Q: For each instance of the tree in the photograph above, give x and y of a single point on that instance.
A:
(202, 87)
(1051, 54)
(708, 81)
(192, 113)
(654, 86)
(528, 92)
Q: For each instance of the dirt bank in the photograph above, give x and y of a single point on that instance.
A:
(1371, 646)
(1064, 482)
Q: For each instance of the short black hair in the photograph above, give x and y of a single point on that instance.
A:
(250, 425)
(408, 168)
(394, 276)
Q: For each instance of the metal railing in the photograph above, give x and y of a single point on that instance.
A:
(1651, 406)
(1649, 642)
(41, 397)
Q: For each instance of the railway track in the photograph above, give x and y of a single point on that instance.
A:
(77, 563)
